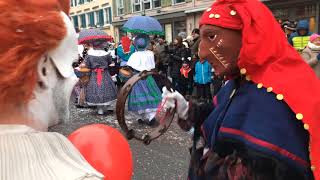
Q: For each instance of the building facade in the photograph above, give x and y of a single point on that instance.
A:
(92, 13)
(174, 15)
(183, 15)
(295, 10)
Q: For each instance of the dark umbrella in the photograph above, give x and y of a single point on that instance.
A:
(143, 24)
(93, 35)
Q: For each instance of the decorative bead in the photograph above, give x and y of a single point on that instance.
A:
(299, 116)
(211, 15)
(209, 9)
(313, 168)
(260, 85)
(280, 97)
(248, 78)
(243, 71)
(233, 12)
(217, 16)
(306, 126)
(269, 89)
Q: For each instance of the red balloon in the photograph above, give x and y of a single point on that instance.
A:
(105, 149)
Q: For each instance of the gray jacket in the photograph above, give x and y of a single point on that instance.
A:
(310, 56)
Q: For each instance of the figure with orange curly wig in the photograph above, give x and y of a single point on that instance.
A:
(38, 46)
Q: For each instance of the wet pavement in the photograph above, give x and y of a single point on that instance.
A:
(166, 158)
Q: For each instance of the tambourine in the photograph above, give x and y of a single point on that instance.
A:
(84, 70)
(126, 72)
(167, 116)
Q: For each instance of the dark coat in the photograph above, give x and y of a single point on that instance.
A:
(253, 128)
(177, 56)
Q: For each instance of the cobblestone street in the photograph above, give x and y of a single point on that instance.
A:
(166, 158)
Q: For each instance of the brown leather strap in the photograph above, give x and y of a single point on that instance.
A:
(120, 109)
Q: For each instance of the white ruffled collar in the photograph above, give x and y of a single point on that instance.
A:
(15, 129)
(95, 52)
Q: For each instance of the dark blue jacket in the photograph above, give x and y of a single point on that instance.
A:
(254, 118)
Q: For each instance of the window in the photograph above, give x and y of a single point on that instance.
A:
(75, 21)
(108, 19)
(71, 3)
(91, 19)
(156, 3)
(136, 5)
(146, 4)
(179, 26)
(100, 17)
(81, 1)
(75, 2)
(178, 1)
(120, 9)
(83, 20)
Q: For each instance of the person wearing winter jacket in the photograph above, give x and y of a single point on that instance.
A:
(177, 55)
(301, 37)
(202, 79)
(311, 54)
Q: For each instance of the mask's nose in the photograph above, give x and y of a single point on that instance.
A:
(201, 52)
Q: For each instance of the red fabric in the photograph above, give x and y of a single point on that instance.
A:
(264, 144)
(270, 60)
(106, 37)
(126, 43)
(219, 15)
(99, 75)
(185, 71)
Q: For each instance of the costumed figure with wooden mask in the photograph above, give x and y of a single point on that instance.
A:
(263, 125)
(38, 46)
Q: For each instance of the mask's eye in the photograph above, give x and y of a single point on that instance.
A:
(212, 37)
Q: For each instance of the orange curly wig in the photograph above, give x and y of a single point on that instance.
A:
(29, 29)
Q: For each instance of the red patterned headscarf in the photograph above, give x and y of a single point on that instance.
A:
(274, 65)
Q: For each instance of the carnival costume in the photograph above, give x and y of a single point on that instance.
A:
(125, 50)
(101, 90)
(263, 124)
(145, 94)
(38, 46)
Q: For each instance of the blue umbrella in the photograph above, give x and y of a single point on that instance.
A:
(143, 24)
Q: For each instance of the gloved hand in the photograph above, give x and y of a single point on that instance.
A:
(175, 100)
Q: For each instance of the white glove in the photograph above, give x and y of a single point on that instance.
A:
(175, 100)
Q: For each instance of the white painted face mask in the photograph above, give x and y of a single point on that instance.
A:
(51, 105)
(67, 51)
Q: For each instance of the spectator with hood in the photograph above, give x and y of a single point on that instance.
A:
(299, 40)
